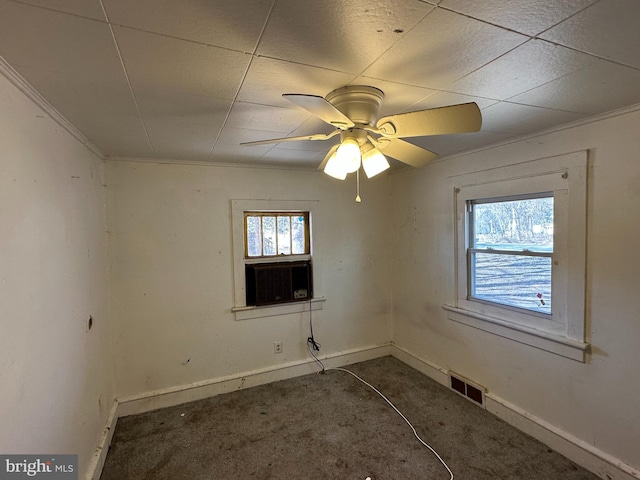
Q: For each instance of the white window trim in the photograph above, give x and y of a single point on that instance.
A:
(240, 308)
(563, 332)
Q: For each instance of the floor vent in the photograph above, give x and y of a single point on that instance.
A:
(467, 389)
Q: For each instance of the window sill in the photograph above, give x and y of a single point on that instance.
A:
(277, 259)
(248, 313)
(557, 344)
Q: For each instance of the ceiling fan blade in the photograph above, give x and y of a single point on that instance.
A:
(316, 136)
(461, 118)
(405, 152)
(327, 157)
(321, 109)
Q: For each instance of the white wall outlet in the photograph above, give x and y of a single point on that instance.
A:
(277, 346)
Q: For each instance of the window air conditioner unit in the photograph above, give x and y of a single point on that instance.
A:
(283, 282)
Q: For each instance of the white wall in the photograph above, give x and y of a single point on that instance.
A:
(596, 401)
(172, 278)
(56, 386)
(171, 282)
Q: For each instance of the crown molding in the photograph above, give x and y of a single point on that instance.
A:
(555, 129)
(32, 94)
(206, 163)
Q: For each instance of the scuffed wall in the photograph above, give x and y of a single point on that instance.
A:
(595, 401)
(56, 375)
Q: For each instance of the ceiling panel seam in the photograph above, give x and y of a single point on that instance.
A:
(173, 37)
(486, 22)
(594, 55)
(55, 10)
(567, 18)
(400, 37)
(242, 80)
(128, 27)
(126, 74)
(529, 39)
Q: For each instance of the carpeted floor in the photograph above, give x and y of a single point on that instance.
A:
(331, 426)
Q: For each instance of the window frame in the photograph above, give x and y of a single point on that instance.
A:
(562, 332)
(279, 257)
(240, 309)
(473, 250)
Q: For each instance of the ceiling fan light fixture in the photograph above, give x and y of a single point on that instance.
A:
(354, 113)
(348, 154)
(373, 161)
(334, 168)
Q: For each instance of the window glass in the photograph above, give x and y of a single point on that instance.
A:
(514, 224)
(270, 234)
(298, 236)
(511, 249)
(254, 236)
(511, 246)
(284, 235)
(518, 281)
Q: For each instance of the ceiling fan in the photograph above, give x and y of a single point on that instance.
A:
(365, 139)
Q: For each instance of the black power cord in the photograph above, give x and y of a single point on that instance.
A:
(312, 345)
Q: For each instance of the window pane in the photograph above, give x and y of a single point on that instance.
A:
(269, 235)
(297, 235)
(514, 225)
(284, 236)
(519, 281)
(254, 237)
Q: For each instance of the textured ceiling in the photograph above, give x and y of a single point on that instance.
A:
(191, 79)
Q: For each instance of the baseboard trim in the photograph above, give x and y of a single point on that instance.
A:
(168, 397)
(100, 455)
(195, 391)
(430, 369)
(601, 463)
(604, 465)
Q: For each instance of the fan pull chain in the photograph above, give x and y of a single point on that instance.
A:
(358, 199)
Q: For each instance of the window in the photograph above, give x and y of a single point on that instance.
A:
(521, 253)
(270, 234)
(279, 236)
(272, 243)
(510, 251)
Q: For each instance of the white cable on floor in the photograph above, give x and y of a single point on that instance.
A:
(313, 345)
(397, 411)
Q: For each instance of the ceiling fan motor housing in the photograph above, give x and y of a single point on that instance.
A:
(361, 103)
(357, 134)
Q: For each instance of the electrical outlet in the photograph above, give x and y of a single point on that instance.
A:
(277, 346)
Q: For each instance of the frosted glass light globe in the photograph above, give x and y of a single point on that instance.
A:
(348, 154)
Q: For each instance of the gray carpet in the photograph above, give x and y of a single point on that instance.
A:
(331, 426)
